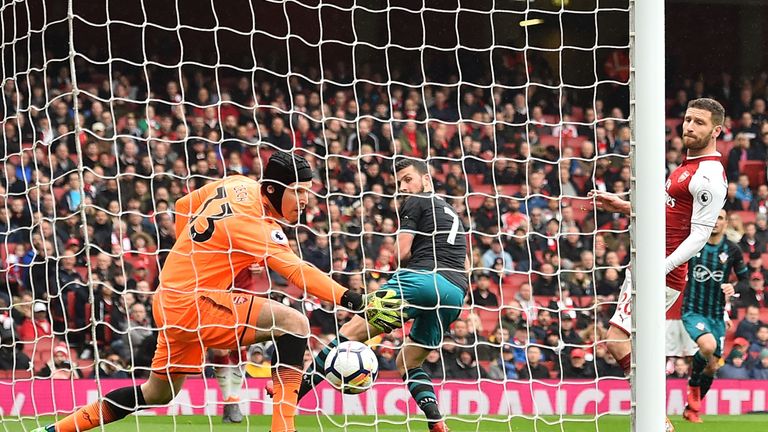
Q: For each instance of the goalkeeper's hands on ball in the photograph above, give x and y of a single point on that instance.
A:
(383, 308)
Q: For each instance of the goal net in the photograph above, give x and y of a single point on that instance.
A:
(113, 110)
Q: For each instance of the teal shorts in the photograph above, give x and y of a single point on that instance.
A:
(698, 325)
(433, 303)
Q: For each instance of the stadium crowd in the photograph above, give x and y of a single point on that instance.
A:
(81, 249)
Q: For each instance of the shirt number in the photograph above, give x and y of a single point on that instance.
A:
(225, 210)
(454, 226)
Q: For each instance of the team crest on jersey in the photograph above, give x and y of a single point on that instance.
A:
(238, 300)
(723, 257)
(683, 176)
(704, 198)
(278, 236)
(700, 326)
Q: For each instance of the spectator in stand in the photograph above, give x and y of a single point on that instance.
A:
(465, 367)
(571, 247)
(750, 243)
(37, 326)
(512, 316)
(527, 302)
(139, 326)
(743, 191)
(732, 201)
(761, 222)
(482, 294)
(760, 369)
(495, 252)
(547, 283)
(755, 264)
(579, 282)
(680, 370)
(734, 367)
(543, 325)
(747, 328)
(519, 251)
(60, 366)
(577, 366)
(739, 152)
(503, 368)
(487, 216)
(462, 336)
(385, 353)
(760, 343)
(11, 355)
(279, 135)
(568, 330)
(433, 366)
(606, 364)
(754, 293)
(533, 369)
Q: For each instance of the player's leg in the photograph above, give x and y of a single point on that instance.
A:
(617, 337)
(158, 390)
(440, 302)
(177, 353)
(708, 334)
(357, 329)
(409, 361)
(289, 330)
(234, 320)
(230, 379)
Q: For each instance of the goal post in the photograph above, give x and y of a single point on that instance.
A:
(648, 221)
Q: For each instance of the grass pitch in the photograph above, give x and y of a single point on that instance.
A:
(306, 423)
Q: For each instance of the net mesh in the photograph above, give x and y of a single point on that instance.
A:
(113, 110)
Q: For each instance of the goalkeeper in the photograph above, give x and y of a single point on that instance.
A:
(431, 237)
(221, 229)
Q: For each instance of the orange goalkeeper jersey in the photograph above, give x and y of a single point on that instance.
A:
(222, 228)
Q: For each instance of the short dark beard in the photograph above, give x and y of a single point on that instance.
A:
(699, 144)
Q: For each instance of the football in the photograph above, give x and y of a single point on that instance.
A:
(351, 367)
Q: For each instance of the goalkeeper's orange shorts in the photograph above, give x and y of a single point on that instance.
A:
(190, 323)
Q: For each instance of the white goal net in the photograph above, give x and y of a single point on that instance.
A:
(112, 110)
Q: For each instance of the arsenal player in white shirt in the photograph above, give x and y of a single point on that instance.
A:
(695, 193)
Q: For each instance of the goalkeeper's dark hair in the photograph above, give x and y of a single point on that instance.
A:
(419, 165)
(711, 105)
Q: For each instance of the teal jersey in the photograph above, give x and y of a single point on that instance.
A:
(707, 271)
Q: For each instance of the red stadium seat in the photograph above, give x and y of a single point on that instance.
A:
(549, 141)
(475, 180)
(755, 170)
(508, 190)
(483, 188)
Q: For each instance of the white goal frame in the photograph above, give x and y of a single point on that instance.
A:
(648, 252)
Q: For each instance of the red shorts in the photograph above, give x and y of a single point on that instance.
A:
(190, 323)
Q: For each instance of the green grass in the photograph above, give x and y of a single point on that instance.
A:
(396, 423)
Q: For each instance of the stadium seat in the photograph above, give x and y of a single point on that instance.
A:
(549, 141)
(511, 282)
(755, 170)
(508, 190)
(481, 188)
(489, 317)
(16, 374)
(475, 180)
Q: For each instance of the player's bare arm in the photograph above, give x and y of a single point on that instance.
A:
(609, 202)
